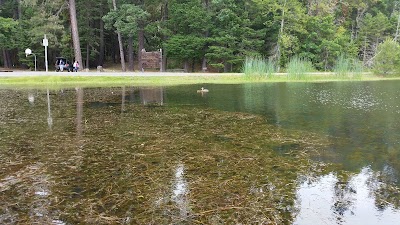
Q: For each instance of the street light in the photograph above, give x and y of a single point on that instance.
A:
(29, 52)
(45, 44)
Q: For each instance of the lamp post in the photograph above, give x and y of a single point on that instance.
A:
(45, 44)
(29, 52)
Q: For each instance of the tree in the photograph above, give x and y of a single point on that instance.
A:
(75, 33)
(224, 32)
(189, 21)
(128, 18)
(287, 18)
(185, 48)
(324, 42)
(109, 20)
(8, 29)
(91, 30)
(373, 30)
(232, 37)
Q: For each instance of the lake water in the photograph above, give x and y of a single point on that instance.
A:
(283, 153)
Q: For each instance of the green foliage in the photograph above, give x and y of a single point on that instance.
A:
(125, 19)
(185, 46)
(232, 37)
(88, 32)
(387, 60)
(8, 30)
(188, 17)
(299, 68)
(374, 27)
(286, 18)
(320, 45)
(223, 32)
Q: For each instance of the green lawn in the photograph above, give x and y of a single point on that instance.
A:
(117, 81)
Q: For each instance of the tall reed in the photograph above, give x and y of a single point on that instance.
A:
(342, 67)
(257, 67)
(348, 68)
(358, 69)
(299, 68)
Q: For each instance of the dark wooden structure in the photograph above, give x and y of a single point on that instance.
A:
(151, 60)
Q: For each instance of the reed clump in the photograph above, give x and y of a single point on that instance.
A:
(258, 67)
(299, 68)
(348, 68)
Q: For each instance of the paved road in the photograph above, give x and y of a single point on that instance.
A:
(19, 73)
(121, 74)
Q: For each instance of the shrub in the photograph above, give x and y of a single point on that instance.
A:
(387, 61)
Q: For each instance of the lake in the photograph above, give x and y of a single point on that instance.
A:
(276, 153)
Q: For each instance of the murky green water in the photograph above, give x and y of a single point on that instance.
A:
(303, 153)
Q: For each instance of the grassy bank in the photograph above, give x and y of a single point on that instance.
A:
(111, 80)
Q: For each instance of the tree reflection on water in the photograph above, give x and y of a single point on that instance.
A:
(348, 199)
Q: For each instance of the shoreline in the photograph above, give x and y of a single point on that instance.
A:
(40, 79)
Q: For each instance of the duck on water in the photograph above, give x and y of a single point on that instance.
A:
(202, 90)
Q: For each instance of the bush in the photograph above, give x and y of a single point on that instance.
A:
(386, 61)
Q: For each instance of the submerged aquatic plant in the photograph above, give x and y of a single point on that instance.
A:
(102, 164)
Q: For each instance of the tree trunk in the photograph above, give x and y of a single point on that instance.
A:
(130, 53)
(206, 5)
(278, 51)
(359, 18)
(186, 66)
(365, 51)
(113, 50)
(87, 56)
(397, 29)
(193, 65)
(19, 13)
(121, 52)
(75, 33)
(226, 66)
(204, 65)
(141, 46)
(121, 47)
(164, 51)
(7, 59)
(326, 59)
(101, 47)
(5, 63)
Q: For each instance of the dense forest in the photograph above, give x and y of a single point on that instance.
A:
(212, 35)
